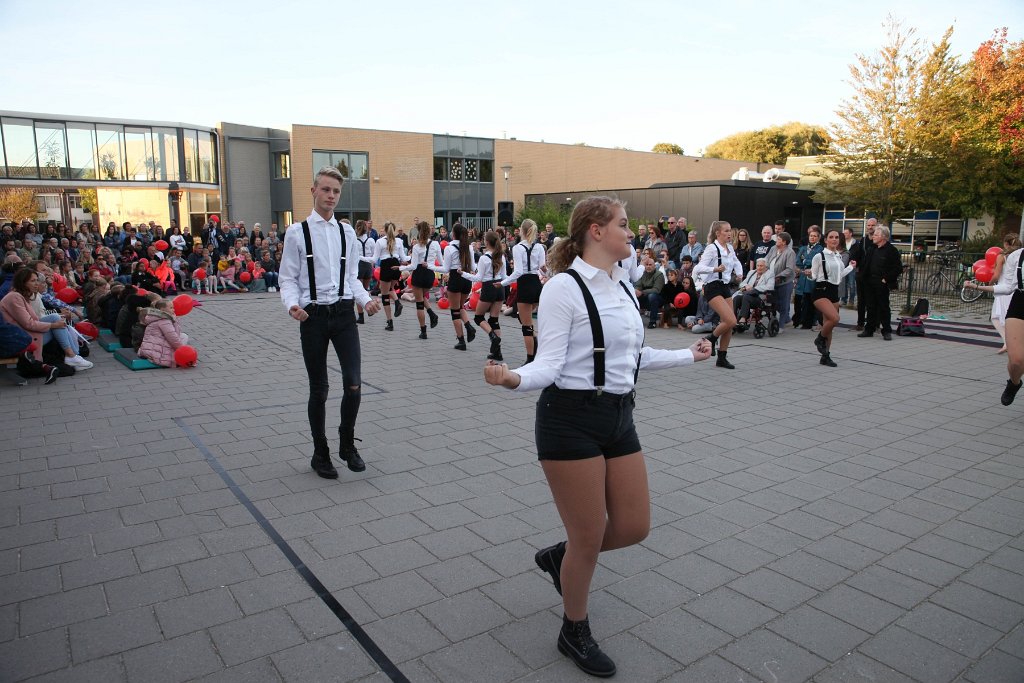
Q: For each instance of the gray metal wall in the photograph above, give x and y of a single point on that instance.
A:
(251, 193)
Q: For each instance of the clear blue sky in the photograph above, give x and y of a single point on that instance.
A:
(608, 74)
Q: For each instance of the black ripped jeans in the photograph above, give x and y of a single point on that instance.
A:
(335, 324)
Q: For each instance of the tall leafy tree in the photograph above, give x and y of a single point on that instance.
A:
(772, 145)
(18, 203)
(667, 148)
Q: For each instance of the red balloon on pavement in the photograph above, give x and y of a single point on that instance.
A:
(991, 254)
(87, 329)
(443, 304)
(183, 304)
(245, 277)
(185, 356)
(474, 299)
(682, 300)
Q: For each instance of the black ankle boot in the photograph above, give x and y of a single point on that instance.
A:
(433, 318)
(714, 343)
(550, 560)
(723, 362)
(423, 331)
(390, 326)
(398, 307)
(495, 352)
(826, 359)
(820, 344)
(361, 320)
(321, 460)
(348, 451)
(470, 333)
(461, 346)
(576, 643)
(1010, 392)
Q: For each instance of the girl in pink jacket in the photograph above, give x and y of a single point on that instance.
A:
(163, 334)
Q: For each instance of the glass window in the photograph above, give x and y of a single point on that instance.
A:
(455, 169)
(53, 153)
(486, 149)
(82, 150)
(439, 165)
(359, 165)
(110, 147)
(469, 148)
(282, 165)
(165, 154)
(486, 171)
(191, 141)
(213, 202)
(340, 162)
(20, 148)
(455, 146)
(138, 143)
(207, 158)
(74, 201)
(321, 159)
(441, 145)
(197, 202)
(471, 170)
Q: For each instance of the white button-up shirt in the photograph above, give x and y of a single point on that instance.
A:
(326, 239)
(566, 343)
(451, 260)
(837, 270)
(704, 270)
(537, 259)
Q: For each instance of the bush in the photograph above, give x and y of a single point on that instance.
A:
(545, 212)
(982, 240)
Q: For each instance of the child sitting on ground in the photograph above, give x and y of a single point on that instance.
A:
(226, 275)
(163, 334)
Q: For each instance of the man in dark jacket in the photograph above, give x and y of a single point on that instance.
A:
(884, 267)
(859, 253)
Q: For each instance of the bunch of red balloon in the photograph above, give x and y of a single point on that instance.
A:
(984, 269)
(59, 282)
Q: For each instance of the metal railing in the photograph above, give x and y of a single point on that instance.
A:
(939, 276)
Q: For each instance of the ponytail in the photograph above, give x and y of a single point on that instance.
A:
(588, 211)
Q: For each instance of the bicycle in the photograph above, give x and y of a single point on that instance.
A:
(970, 295)
(950, 276)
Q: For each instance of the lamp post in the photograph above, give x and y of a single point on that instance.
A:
(507, 170)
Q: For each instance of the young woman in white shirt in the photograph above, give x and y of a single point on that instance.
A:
(529, 259)
(490, 270)
(717, 268)
(389, 252)
(367, 247)
(1013, 321)
(828, 271)
(424, 254)
(458, 256)
(586, 441)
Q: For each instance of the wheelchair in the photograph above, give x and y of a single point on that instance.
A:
(764, 318)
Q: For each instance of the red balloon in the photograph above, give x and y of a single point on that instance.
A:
(443, 304)
(161, 245)
(682, 300)
(991, 254)
(87, 329)
(67, 295)
(245, 277)
(251, 266)
(200, 274)
(978, 264)
(444, 244)
(477, 286)
(376, 273)
(59, 282)
(984, 273)
(183, 304)
(514, 286)
(185, 356)
(474, 299)
(437, 262)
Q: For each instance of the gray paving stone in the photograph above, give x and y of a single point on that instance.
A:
(856, 668)
(477, 659)
(711, 668)
(398, 593)
(408, 636)
(61, 609)
(29, 584)
(821, 633)
(106, 670)
(858, 608)
(465, 615)
(179, 659)
(681, 636)
(697, 573)
(650, 592)
(810, 570)
(115, 633)
(220, 570)
(144, 589)
(334, 658)
(958, 633)
(996, 667)
(736, 555)
(769, 657)
(914, 655)
(874, 537)
(194, 612)
(35, 654)
(730, 611)
(257, 670)
(275, 590)
(773, 589)
(56, 552)
(531, 639)
(921, 567)
(254, 636)
(172, 552)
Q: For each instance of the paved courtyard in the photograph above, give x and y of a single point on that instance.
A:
(858, 524)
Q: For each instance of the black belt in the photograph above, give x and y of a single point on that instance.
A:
(315, 309)
(593, 394)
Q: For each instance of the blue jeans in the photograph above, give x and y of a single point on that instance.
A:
(652, 302)
(783, 299)
(270, 279)
(848, 292)
(62, 335)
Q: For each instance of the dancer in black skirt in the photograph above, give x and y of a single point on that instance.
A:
(717, 268)
(390, 253)
(366, 248)
(529, 259)
(425, 252)
(827, 271)
(1014, 322)
(458, 255)
(490, 269)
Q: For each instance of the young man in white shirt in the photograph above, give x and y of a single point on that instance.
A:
(319, 290)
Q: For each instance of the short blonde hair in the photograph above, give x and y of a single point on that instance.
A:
(328, 171)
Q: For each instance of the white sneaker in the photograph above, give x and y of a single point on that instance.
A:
(78, 363)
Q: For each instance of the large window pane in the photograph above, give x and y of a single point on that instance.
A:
(440, 145)
(486, 171)
(165, 154)
(191, 155)
(138, 144)
(486, 149)
(321, 159)
(282, 165)
(20, 148)
(53, 160)
(207, 158)
(471, 170)
(340, 161)
(111, 151)
(360, 166)
(439, 165)
(455, 169)
(82, 150)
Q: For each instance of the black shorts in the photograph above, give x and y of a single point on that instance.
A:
(492, 291)
(528, 289)
(1016, 307)
(365, 270)
(387, 271)
(458, 284)
(825, 290)
(716, 288)
(575, 425)
(423, 277)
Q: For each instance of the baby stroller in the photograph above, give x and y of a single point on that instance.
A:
(765, 317)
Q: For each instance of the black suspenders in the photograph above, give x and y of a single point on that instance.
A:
(528, 251)
(309, 261)
(824, 268)
(597, 330)
(721, 276)
(1020, 273)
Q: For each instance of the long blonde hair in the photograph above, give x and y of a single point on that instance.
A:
(389, 233)
(600, 210)
(528, 231)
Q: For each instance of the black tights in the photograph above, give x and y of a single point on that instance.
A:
(338, 328)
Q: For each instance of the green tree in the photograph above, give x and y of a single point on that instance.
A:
(772, 145)
(90, 202)
(667, 148)
(18, 203)
(546, 212)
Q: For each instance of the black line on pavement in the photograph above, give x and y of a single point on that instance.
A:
(362, 637)
(948, 337)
